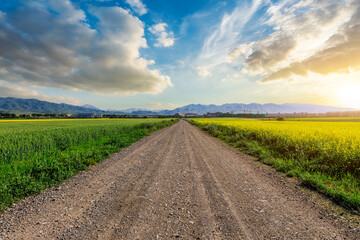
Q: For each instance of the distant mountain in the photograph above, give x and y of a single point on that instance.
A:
(254, 108)
(20, 105)
(90, 107)
(131, 110)
(144, 112)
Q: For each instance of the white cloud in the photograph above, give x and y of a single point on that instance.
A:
(180, 63)
(226, 35)
(138, 6)
(231, 78)
(203, 72)
(243, 50)
(340, 53)
(160, 27)
(41, 48)
(164, 39)
(12, 90)
(309, 36)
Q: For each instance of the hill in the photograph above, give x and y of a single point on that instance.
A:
(254, 108)
(19, 105)
(90, 107)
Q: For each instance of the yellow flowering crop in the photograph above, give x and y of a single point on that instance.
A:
(331, 143)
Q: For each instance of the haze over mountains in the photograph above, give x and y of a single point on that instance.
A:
(19, 105)
(256, 108)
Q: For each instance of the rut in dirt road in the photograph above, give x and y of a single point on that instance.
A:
(177, 183)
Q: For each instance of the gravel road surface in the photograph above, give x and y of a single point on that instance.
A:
(178, 183)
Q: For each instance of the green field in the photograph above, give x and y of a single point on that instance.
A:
(323, 155)
(36, 154)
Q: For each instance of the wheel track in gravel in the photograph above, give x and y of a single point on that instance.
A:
(243, 232)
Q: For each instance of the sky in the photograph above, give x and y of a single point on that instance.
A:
(161, 54)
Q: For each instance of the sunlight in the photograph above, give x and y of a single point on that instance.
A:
(349, 96)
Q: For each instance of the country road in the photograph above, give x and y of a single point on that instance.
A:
(178, 183)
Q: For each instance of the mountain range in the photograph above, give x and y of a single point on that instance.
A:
(19, 105)
(255, 108)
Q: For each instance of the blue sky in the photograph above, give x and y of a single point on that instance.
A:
(160, 54)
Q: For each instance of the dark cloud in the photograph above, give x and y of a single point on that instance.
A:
(268, 53)
(50, 44)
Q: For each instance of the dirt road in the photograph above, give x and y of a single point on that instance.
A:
(177, 183)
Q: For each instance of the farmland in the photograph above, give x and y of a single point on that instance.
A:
(326, 119)
(178, 183)
(323, 155)
(36, 154)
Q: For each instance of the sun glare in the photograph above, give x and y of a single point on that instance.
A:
(349, 96)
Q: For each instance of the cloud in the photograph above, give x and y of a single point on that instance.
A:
(203, 72)
(308, 36)
(138, 6)
(164, 39)
(2, 16)
(342, 54)
(227, 34)
(12, 90)
(269, 52)
(50, 44)
(243, 50)
(231, 78)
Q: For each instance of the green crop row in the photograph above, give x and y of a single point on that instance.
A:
(38, 154)
(323, 155)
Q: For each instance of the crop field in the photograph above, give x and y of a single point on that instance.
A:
(326, 119)
(323, 155)
(36, 154)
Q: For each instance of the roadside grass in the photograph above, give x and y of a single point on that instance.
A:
(35, 156)
(338, 184)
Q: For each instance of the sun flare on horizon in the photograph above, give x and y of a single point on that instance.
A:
(349, 96)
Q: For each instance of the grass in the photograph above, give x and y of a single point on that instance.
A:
(35, 155)
(324, 156)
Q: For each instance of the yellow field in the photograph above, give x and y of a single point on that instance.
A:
(327, 119)
(326, 155)
(333, 139)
